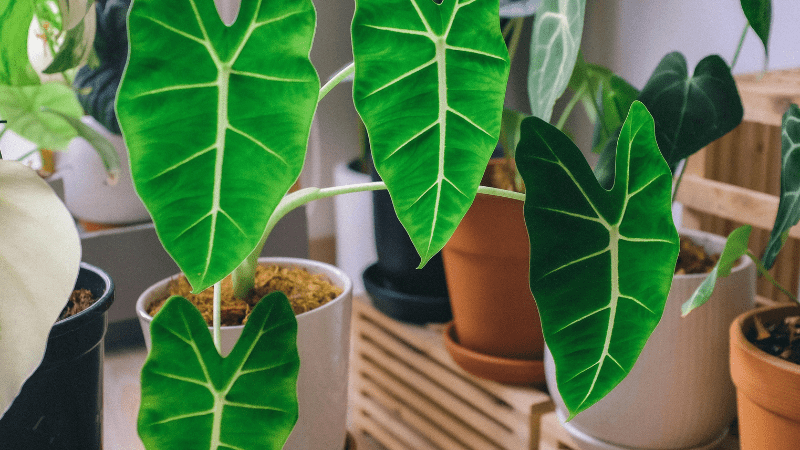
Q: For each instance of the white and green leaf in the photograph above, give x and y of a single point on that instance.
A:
(76, 40)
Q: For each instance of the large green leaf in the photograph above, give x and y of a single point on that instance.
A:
(691, 111)
(192, 398)
(25, 108)
(789, 206)
(429, 85)
(556, 39)
(216, 120)
(601, 260)
(15, 68)
(40, 253)
(759, 16)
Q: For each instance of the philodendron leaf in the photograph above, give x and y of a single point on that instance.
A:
(759, 16)
(40, 254)
(789, 206)
(601, 260)
(15, 68)
(735, 248)
(192, 398)
(691, 111)
(429, 85)
(216, 120)
(556, 39)
(24, 108)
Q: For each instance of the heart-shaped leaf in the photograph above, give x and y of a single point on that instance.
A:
(759, 16)
(192, 398)
(216, 120)
(691, 111)
(40, 254)
(601, 260)
(15, 68)
(556, 39)
(789, 206)
(429, 85)
(25, 109)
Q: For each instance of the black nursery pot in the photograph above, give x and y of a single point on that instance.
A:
(60, 407)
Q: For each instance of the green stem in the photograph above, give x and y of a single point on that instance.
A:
(680, 178)
(739, 47)
(344, 73)
(568, 109)
(22, 158)
(515, 38)
(765, 273)
(217, 315)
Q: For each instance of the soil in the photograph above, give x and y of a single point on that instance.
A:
(778, 339)
(305, 291)
(79, 300)
(693, 258)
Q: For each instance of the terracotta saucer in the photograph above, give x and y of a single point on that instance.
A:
(494, 368)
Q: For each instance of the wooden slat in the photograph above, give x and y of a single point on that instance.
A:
(389, 431)
(766, 98)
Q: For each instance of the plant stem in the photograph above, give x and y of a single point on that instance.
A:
(344, 73)
(568, 109)
(765, 273)
(514, 43)
(680, 178)
(739, 47)
(216, 315)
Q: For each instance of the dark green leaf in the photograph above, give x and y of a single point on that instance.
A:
(15, 68)
(789, 206)
(691, 111)
(735, 248)
(759, 16)
(216, 120)
(192, 398)
(429, 85)
(601, 260)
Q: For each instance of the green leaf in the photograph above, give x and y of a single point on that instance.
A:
(616, 97)
(77, 44)
(216, 120)
(789, 206)
(759, 16)
(556, 39)
(40, 253)
(24, 108)
(429, 85)
(105, 150)
(192, 398)
(15, 68)
(601, 260)
(735, 248)
(73, 12)
(691, 111)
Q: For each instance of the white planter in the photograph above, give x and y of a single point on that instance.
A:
(323, 342)
(355, 227)
(87, 194)
(679, 394)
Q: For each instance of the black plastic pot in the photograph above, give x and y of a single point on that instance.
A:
(60, 407)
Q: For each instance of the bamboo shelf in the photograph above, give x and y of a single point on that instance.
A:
(408, 394)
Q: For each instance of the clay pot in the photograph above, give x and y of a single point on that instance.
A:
(767, 387)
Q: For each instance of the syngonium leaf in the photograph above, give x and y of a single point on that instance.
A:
(25, 108)
(429, 85)
(15, 68)
(555, 43)
(759, 16)
(601, 260)
(193, 398)
(216, 120)
(789, 206)
(40, 254)
(691, 111)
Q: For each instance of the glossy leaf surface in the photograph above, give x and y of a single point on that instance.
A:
(601, 260)
(759, 16)
(192, 398)
(216, 120)
(555, 43)
(429, 85)
(15, 68)
(40, 253)
(735, 248)
(691, 111)
(24, 108)
(789, 206)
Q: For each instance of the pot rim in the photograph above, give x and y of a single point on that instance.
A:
(329, 270)
(100, 305)
(739, 339)
(741, 265)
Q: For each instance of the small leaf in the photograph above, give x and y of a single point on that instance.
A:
(759, 16)
(193, 398)
(691, 111)
(15, 68)
(40, 254)
(735, 248)
(105, 150)
(556, 39)
(601, 260)
(23, 107)
(789, 206)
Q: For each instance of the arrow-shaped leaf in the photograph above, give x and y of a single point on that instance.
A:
(601, 260)
(192, 398)
(556, 39)
(789, 206)
(691, 111)
(216, 120)
(429, 85)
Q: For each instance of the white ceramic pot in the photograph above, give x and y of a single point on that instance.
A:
(87, 193)
(355, 229)
(323, 342)
(679, 394)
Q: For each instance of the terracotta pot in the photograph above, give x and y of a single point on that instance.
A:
(767, 387)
